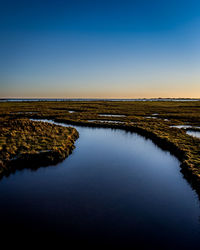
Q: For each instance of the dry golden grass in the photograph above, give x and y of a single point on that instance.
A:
(167, 113)
(22, 139)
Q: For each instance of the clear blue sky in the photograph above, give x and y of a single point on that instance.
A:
(111, 49)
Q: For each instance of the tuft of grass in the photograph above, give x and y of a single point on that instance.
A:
(35, 143)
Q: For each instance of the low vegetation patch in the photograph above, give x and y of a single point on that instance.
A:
(25, 142)
(160, 130)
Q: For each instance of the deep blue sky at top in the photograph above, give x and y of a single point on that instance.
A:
(100, 48)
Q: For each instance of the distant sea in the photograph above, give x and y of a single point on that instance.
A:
(91, 99)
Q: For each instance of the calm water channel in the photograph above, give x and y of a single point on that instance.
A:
(117, 188)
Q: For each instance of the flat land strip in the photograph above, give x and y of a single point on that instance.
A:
(153, 119)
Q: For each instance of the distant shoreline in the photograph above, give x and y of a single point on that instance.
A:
(95, 99)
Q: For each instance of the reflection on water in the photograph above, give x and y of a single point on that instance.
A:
(116, 188)
(194, 133)
(105, 121)
(109, 115)
(151, 117)
(25, 112)
(183, 126)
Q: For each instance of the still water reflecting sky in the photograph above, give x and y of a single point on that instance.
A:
(116, 188)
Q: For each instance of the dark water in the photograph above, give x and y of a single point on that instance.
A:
(117, 188)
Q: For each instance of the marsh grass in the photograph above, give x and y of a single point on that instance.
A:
(168, 113)
(36, 143)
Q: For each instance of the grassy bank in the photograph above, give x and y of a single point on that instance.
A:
(151, 119)
(25, 143)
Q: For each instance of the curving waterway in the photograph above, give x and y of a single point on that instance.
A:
(117, 188)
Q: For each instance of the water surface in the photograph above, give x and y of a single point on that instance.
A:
(111, 115)
(116, 188)
(184, 126)
(105, 121)
(193, 133)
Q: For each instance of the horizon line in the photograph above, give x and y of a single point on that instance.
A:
(92, 98)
